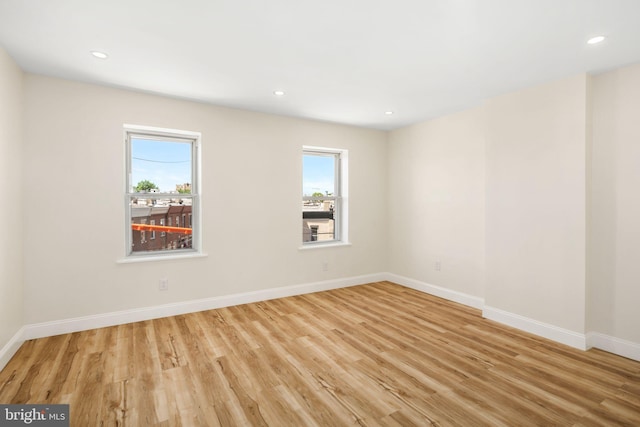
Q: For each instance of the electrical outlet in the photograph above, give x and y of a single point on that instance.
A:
(325, 266)
(163, 284)
(437, 266)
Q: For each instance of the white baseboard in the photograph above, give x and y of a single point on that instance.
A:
(84, 323)
(10, 348)
(448, 294)
(624, 348)
(552, 332)
(607, 343)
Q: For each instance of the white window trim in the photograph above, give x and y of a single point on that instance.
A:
(323, 245)
(342, 205)
(196, 193)
(172, 255)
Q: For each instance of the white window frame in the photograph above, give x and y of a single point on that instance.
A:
(194, 138)
(340, 196)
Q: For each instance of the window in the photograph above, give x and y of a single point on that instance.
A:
(143, 234)
(324, 207)
(162, 182)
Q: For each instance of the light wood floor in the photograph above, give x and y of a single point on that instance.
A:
(377, 354)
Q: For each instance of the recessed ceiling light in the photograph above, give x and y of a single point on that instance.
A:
(99, 55)
(388, 113)
(278, 92)
(596, 39)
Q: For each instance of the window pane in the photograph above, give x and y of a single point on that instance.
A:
(148, 217)
(319, 191)
(160, 166)
(318, 220)
(318, 175)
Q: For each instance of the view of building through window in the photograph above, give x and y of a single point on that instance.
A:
(320, 196)
(160, 198)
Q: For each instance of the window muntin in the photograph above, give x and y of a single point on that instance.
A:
(322, 196)
(161, 183)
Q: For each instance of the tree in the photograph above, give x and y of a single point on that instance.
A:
(145, 185)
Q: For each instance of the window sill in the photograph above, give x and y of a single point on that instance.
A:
(168, 257)
(323, 245)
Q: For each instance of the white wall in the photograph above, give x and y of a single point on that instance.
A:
(436, 202)
(251, 170)
(497, 195)
(11, 253)
(614, 281)
(553, 172)
(536, 203)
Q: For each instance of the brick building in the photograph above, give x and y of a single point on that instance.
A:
(172, 215)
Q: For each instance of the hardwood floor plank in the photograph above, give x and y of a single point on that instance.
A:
(376, 354)
(87, 402)
(113, 404)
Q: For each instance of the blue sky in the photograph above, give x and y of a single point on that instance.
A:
(318, 174)
(163, 163)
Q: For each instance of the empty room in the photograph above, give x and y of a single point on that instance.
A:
(338, 213)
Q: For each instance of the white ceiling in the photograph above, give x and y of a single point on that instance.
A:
(345, 61)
